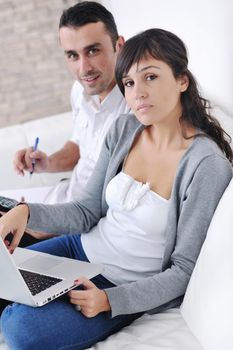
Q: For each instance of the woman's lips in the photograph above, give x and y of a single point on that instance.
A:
(143, 107)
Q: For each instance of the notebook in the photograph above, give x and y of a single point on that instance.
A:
(34, 278)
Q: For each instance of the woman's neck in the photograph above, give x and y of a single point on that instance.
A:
(170, 137)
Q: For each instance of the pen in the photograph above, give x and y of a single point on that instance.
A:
(34, 149)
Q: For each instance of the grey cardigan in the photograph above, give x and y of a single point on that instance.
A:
(202, 176)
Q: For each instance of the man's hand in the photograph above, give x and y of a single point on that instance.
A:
(64, 159)
(92, 300)
(14, 221)
(23, 161)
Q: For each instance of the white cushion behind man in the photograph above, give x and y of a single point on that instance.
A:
(208, 302)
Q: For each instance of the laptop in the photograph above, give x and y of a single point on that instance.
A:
(34, 278)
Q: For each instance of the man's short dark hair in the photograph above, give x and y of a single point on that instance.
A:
(89, 12)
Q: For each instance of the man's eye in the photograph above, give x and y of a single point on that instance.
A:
(93, 51)
(72, 56)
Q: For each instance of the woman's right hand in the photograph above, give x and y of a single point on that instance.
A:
(39, 234)
(14, 221)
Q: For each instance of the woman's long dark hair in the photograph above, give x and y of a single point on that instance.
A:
(167, 47)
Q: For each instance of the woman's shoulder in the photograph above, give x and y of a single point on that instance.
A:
(206, 154)
(125, 127)
(203, 165)
(203, 146)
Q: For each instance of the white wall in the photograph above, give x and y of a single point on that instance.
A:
(206, 27)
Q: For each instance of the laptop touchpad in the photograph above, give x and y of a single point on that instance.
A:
(40, 263)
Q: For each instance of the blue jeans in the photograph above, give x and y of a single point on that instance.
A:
(58, 325)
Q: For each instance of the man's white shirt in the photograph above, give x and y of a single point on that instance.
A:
(92, 120)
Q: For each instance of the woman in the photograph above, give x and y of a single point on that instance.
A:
(145, 211)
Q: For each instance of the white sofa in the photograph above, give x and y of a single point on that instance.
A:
(199, 324)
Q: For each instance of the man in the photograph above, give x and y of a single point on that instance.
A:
(89, 38)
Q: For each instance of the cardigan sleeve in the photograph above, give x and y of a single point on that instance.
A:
(76, 216)
(199, 203)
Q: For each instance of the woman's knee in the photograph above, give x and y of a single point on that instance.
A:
(18, 328)
(55, 325)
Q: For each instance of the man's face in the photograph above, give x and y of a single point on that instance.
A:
(91, 57)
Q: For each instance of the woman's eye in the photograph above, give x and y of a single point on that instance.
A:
(128, 83)
(151, 77)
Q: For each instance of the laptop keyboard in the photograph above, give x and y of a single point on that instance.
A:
(36, 282)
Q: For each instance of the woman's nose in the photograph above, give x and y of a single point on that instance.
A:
(140, 92)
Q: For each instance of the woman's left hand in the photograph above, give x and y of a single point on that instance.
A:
(91, 300)
(14, 221)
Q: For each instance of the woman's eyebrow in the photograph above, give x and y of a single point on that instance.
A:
(141, 70)
(148, 67)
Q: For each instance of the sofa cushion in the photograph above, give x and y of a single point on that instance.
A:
(166, 330)
(208, 303)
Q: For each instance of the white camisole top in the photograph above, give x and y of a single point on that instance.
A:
(129, 241)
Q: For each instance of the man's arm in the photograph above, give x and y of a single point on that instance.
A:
(63, 160)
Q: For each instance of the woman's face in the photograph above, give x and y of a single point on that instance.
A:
(152, 91)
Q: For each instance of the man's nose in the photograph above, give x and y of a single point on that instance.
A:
(84, 66)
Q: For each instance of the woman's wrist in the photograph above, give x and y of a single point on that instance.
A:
(105, 302)
(25, 209)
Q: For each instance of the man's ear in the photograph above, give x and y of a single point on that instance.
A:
(120, 42)
(184, 82)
